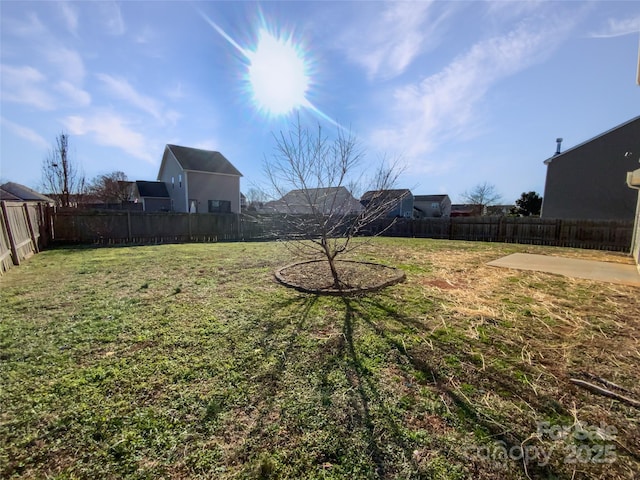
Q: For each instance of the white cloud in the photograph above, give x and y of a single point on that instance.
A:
(443, 106)
(25, 85)
(172, 117)
(24, 132)
(176, 93)
(112, 17)
(68, 62)
(77, 96)
(111, 130)
(123, 90)
(30, 28)
(386, 44)
(70, 17)
(145, 36)
(618, 28)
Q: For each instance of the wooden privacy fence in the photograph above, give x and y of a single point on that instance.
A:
(113, 227)
(23, 231)
(615, 235)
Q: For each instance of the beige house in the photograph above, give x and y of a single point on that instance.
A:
(586, 182)
(200, 181)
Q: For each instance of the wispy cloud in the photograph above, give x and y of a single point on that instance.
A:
(70, 17)
(145, 36)
(176, 93)
(29, 28)
(619, 27)
(68, 63)
(75, 95)
(122, 89)
(112, 130)
(443, 106)
(112, 17)
(387, 43)
(24, 132)
(25, 85)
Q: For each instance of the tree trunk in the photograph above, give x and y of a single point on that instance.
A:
(332, 265)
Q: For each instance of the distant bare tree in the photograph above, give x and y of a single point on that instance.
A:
(61, 177)
(111, 187)
(482, 195)
(255, 197)
(319, 171)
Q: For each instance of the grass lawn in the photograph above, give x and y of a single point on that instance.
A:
(190, 361)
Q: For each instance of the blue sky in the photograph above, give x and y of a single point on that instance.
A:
(460, 92)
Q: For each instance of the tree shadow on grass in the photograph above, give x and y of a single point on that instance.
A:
(429, 362)
(367, 409)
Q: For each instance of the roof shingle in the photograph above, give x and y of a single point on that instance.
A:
(203, 160)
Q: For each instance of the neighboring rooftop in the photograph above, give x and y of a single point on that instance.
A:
(199, 160)
(20, 192)
(327, 200)
(152, 189)
(386, 194)
(429, 198)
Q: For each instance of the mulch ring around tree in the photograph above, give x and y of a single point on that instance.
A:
(314, 276)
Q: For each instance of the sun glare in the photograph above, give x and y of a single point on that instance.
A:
(278, 75)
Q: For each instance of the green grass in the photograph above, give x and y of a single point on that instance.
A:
(190, 361)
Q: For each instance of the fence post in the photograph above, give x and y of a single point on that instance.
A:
(12, 240)
(32, 234)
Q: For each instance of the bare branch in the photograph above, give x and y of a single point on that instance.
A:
(314, 178)
(61, 177)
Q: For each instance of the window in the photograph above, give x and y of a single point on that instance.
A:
(173, 182)
(180, 180)
(219, 206)
(435, 205)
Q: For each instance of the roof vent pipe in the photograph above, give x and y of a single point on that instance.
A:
(559, 142)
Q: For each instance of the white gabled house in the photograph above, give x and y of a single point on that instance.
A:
(200, 181)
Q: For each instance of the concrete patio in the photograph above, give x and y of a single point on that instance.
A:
(624, 274)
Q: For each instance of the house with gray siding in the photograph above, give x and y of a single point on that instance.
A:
(397, 203)
(587, 182)
(200, 181)
(431, 206)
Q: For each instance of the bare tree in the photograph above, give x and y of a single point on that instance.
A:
(315, 178)
(111, 187)
(61, 177)
(255, 198)
(482, 195)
